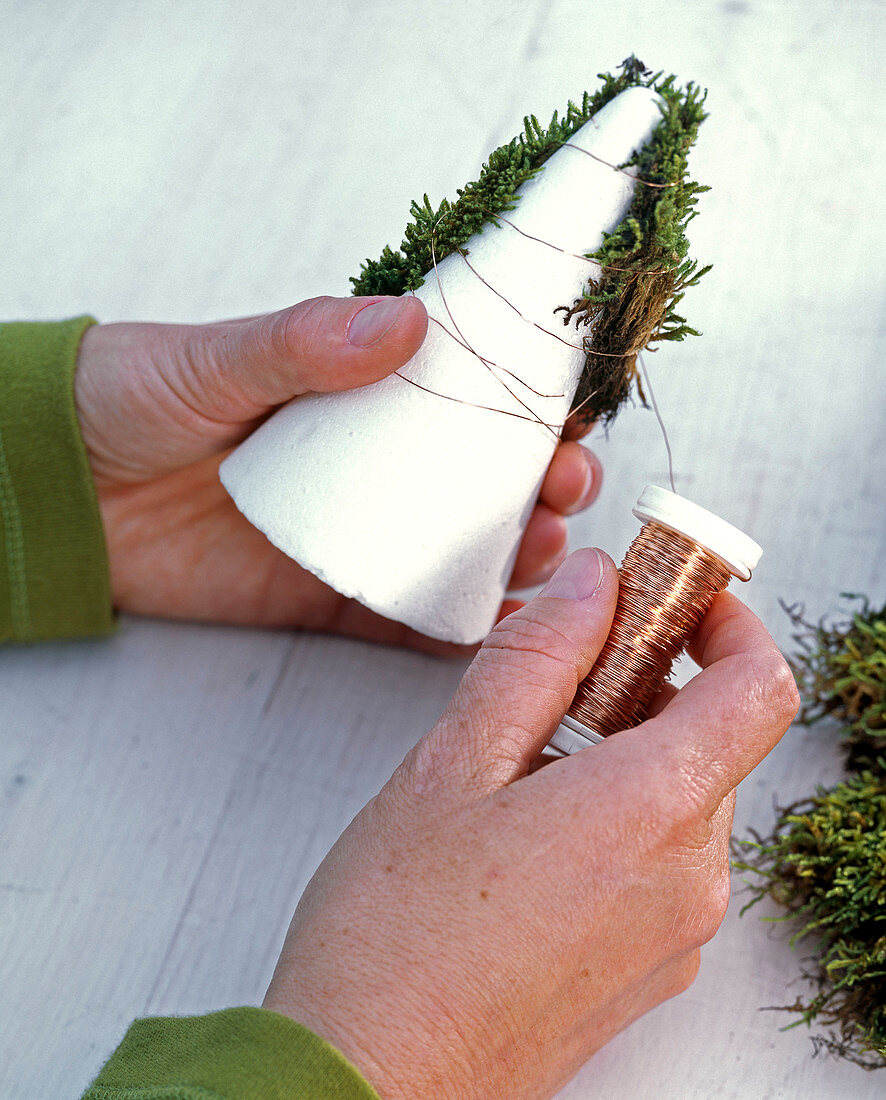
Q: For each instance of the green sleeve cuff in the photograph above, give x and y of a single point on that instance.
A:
(54, 580)
(237, 1054)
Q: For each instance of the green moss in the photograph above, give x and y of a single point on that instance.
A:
(841, 671)
(826, 864)
(645, 266)
(825, 861)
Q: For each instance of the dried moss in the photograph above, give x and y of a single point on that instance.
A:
(645, 267)
(826, 864)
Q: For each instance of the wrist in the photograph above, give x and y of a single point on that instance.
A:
(391, 1047)
(323, 1022)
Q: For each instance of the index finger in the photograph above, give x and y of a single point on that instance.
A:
(719, 726)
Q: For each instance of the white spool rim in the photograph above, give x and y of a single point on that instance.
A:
(732, 547)
(571, 736)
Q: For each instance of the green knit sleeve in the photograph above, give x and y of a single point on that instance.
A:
(237, 1054)
(53, 561)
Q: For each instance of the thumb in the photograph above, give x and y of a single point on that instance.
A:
(241, 369)
(525, 675)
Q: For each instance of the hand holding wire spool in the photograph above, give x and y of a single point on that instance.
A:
(482, 928)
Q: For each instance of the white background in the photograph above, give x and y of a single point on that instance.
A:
(164, 796)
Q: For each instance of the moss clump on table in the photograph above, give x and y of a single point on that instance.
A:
(645, 268)
(825, 861)
(826, 864)
(841, 671)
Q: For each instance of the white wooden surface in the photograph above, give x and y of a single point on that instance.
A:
(167, 794)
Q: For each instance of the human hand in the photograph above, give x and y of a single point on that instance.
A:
(479, 930)
(161, 405)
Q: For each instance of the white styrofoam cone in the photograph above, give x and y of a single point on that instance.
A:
(415, 504)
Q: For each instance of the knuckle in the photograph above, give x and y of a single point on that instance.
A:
(269, 336)
(445, 764)
(529, 657)
(298, 332)
(692, 796)
(684, 973)
(533, 637)
(714, 906)
(706, 902)
(425, 769)
(787, 696)
(774, 687)
(682, 807)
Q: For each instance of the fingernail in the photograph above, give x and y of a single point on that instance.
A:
(373, 321)
(578, 577)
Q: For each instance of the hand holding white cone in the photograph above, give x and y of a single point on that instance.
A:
(414, 502)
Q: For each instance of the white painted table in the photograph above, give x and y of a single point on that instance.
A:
(167, 794)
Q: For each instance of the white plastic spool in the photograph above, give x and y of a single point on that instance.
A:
(732, 547)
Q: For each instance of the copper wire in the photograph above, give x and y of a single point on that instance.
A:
(658, 417)
(529, 409)
(667, 583)
(615, 167)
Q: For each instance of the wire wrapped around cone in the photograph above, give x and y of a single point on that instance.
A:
(411, 494)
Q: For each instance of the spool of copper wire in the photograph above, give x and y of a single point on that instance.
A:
(682, 558)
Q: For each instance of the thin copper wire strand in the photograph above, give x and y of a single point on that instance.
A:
(490, 362)
(467, 347)
(667, 583)
(615, 167)
(473, 405)
(583, 346)
(490, 365)
(574, 255)
(532, 413)
(509, 303)
(658, 417)
(581, 404)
